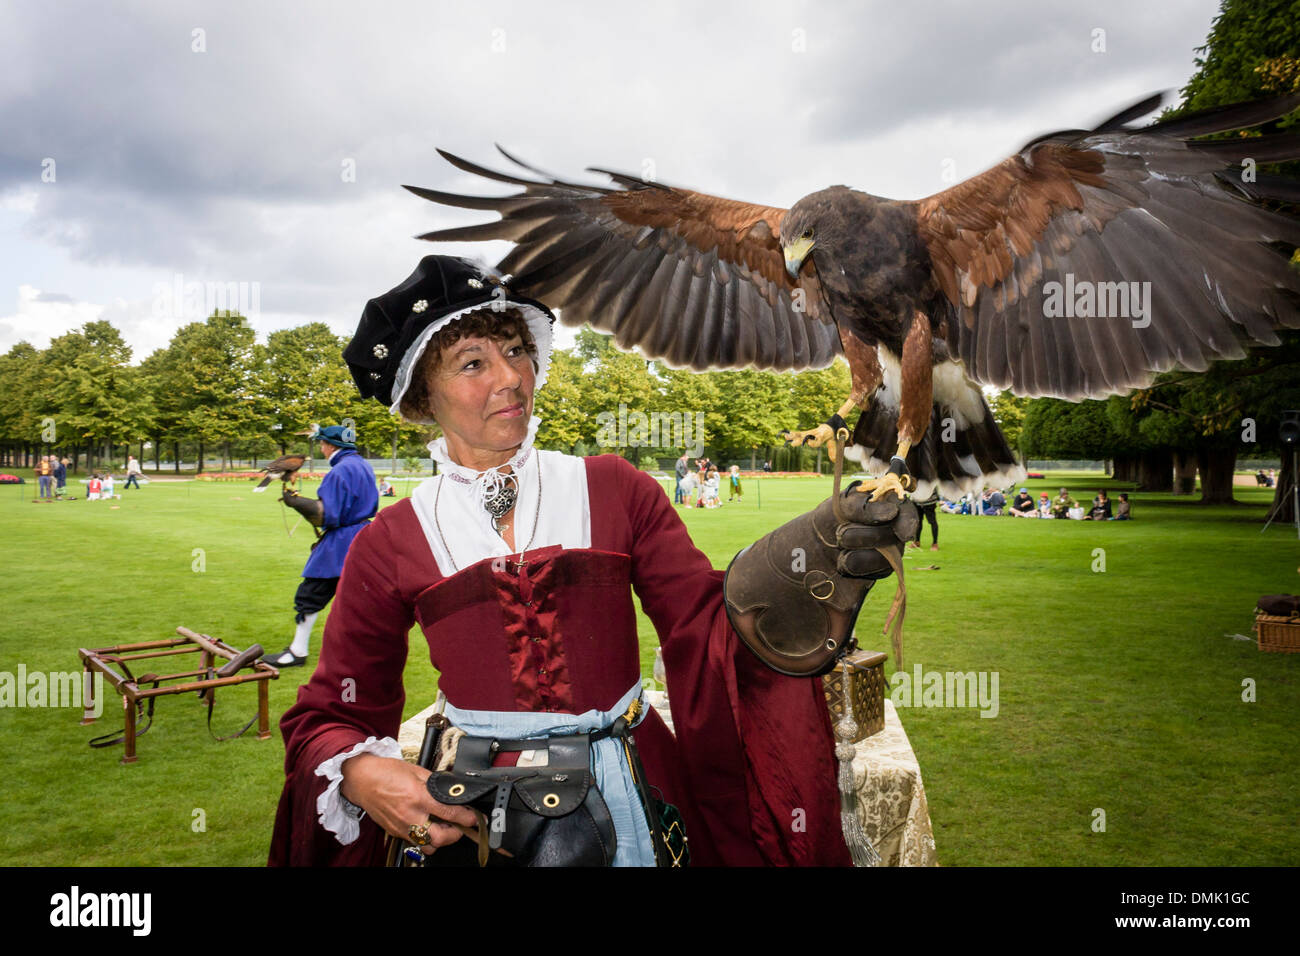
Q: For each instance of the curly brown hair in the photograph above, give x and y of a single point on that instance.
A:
(501, 326)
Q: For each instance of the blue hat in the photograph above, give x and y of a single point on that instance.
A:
(336, 435)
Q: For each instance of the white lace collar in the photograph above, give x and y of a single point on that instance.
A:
(486, 482)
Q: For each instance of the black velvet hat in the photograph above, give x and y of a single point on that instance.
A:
(396, 326)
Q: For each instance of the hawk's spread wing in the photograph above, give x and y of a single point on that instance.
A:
(1117, 205)
(691, 279)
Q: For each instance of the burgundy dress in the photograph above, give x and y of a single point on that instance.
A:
(752, 767)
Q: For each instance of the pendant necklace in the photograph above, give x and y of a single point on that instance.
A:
(498, 496)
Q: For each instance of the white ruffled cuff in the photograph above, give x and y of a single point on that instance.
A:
(334, 817)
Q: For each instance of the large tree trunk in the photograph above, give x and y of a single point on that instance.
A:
(1155, 470)
(1216, 466)
(1125, 468)
(157, 452)
(198, 469)
(176, 457)
(1283, 507)
(1184, 472)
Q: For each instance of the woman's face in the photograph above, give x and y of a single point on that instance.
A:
(482, 396)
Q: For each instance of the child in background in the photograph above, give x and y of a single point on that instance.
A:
(106, 491)
(710, 494)
(736, 491)
(93, 487)
(689, 484)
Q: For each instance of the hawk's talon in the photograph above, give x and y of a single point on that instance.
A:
(813, 438)
(885, 484)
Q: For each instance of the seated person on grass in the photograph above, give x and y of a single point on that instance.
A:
(1100, 507)
(992, 502)
(1062, 504)
(1022, 505)
(1123, 509)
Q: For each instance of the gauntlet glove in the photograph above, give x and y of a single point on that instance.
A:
(794, 595)
(310, 508)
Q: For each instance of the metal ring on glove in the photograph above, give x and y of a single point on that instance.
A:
(419, 833)
(812, 587)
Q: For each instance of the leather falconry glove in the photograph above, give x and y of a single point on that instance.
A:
(310, 508)
(794, 595)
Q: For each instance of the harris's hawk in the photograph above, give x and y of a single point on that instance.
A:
(1080, 267)
(285, 468)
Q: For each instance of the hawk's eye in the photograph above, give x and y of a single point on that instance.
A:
(807, 233)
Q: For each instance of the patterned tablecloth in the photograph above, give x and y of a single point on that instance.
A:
(891, 797)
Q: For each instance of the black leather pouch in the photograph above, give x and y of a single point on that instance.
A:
(542, 816)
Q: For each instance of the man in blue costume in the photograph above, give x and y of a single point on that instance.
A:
(347, 502)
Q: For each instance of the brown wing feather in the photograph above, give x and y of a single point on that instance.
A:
(694, 280)
(1115, 205)
(286, 464)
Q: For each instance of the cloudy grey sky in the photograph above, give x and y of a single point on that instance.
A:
(212, 143)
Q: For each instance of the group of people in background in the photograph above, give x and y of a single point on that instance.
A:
(701, 486)
(1065, 506)
(51, 476)
(52, 479)
(1023, 505)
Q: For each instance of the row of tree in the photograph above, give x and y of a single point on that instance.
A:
(215, 389)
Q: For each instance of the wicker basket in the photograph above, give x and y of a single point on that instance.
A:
(866, 681)
(1279, 634)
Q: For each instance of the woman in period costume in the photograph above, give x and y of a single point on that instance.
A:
(519, 566)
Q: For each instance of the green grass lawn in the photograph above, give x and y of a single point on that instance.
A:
(1118, 690)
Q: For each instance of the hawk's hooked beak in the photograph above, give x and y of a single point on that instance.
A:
(795, 253)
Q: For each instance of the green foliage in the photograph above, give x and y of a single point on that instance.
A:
(559, 403)
(1250, 53)
(1063, 430)
(303, 381)
(1009, 412)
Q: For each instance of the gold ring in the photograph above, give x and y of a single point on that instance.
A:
(419, 834)
(456, 790)
(812, 584)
